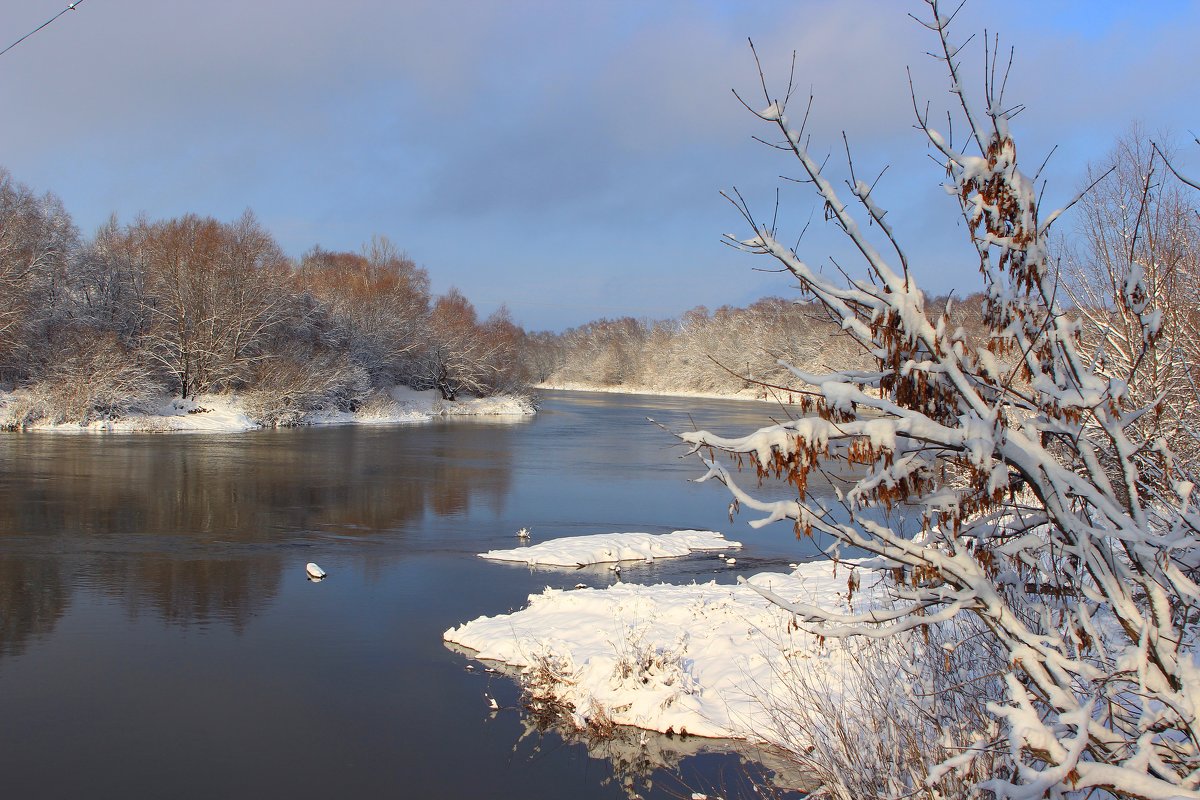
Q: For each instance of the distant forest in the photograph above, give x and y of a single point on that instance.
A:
(726, 351)
(96, 327)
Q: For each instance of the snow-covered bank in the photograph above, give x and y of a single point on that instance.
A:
(603, 548)
(745, 394)
(712, 660)
(227, 413)
(636, 754)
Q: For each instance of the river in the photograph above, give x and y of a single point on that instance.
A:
(158, 636)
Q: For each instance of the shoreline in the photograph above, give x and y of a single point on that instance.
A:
(749, 396)
(227, 413)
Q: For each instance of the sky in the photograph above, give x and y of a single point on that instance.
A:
(563, 158)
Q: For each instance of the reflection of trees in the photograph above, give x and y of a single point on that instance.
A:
(186, 524)
(257, 487)
(193, 590)
(33, 598)
(638, 759)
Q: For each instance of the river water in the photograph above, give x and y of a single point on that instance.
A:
(158, 636)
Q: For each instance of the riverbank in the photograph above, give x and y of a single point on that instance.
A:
(228, 413)
(752, 395)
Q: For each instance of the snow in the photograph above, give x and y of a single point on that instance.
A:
(604, 548)
(205, 414)
(708, 659)
(226, 413)
(574, 386)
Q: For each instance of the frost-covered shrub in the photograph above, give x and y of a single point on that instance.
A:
(88, 376)
(647, 663)
(286, 388)
(545, 684)
(21, 409)
(378, 404)
(554, 690)
(1067, 532)
(897, 708)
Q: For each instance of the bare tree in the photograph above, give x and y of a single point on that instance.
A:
(458, 356)
(212, 297)
(109, 280)
(37, 241)
(1082, 577)
(504, 341)
(1139, 229)
(542, 355)
(377, 302)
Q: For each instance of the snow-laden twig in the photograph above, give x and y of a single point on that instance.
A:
(1050, 516)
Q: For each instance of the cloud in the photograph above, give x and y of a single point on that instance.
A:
(535, 139)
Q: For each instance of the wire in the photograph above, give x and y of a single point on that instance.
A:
(70, 7)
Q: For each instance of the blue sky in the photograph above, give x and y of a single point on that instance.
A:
(564, 158)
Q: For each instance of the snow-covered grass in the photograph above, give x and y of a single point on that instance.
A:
(226, 413)
(603, 548)
(706, 659)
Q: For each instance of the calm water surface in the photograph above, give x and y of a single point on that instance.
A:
(158, 637)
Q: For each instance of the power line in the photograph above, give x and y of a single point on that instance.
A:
(70, 7)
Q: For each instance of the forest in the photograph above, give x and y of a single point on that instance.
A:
(93, 328)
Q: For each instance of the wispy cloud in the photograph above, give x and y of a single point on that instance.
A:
(542, 151)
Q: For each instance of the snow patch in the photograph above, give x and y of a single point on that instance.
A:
(574, 386)
(604, 548)
(711, 660)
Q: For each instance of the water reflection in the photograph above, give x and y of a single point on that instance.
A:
(638, 760)
(191, 528)
(155, 583)
(249, 487)
(184, 591)
(33, 597)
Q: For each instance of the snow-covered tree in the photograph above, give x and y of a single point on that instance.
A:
(505, 369)
(377, 303)
(460, 355)
(212, 298)
(37, 242)
(1048, 514)
(1137, 222)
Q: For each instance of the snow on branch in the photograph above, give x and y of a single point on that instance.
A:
(1046, 511)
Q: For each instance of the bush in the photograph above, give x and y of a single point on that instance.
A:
(287, 388)
(89, 376)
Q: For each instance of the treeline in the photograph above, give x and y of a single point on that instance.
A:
(95, 327)
(726, 351)
(98, 327)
